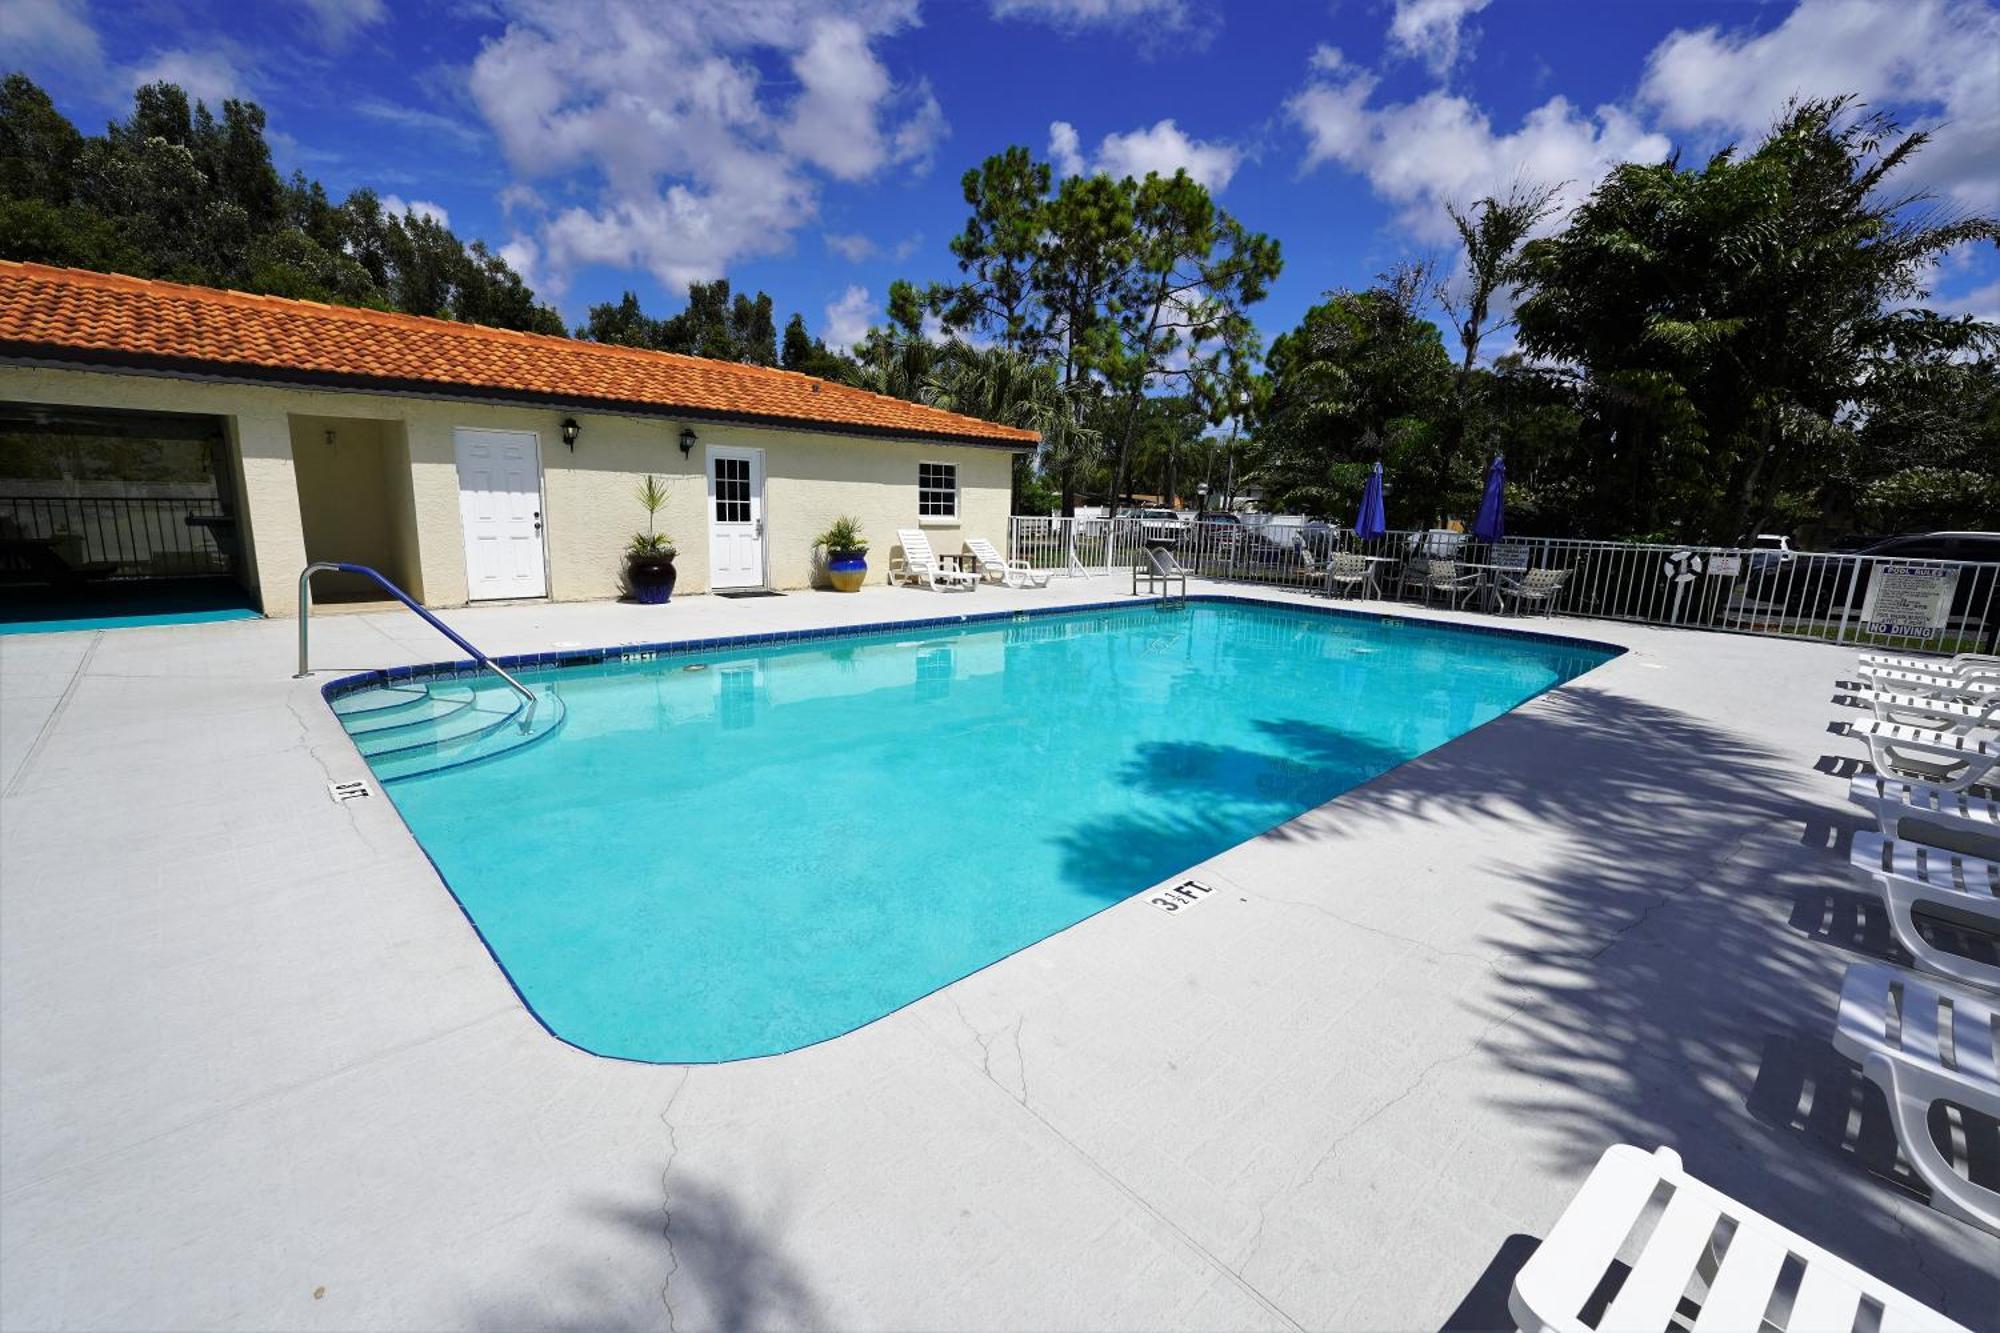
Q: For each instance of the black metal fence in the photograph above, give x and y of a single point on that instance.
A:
(122, 537)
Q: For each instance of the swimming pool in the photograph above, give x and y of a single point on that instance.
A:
(744, 850)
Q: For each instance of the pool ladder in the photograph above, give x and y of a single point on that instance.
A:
(527, 719)
(1159, 570)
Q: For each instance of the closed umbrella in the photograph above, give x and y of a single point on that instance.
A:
(1491, 525)
(1371, 522)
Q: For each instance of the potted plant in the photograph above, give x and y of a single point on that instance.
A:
(649, 559)
(846, 554)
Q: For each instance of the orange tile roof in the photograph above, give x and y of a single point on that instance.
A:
(74, 316)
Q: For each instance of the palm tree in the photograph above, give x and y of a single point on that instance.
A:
(1016, 389)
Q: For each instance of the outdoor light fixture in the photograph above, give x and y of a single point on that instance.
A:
(687, 440)
(570, 431)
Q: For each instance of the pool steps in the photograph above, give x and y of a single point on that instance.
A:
(408, 730)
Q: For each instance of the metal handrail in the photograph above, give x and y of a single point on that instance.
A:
(305, 623)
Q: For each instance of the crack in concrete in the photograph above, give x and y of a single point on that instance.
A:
(985, 1040)
(1432, 949)
(55, 715)
(667, 1197)
(1917, 1252)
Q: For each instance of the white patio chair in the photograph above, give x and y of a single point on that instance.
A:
(919, 564)
(1737, 1278)
(1923, 1041)
(1012, 573)
(1936, 712)
(1954, 885)
(1443, 576)
(1351, 572)
(1971, 816)
(1936, 758)
(1537, 587)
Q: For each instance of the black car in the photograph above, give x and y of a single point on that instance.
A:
(1834, 588)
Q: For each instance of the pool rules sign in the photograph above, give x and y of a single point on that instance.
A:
(1909, 601)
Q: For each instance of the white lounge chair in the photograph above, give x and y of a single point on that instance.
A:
(1964, 666)
(1012, 573)
(1922, 1041)
(1937, 758)
(1909, 681)
(1737, 1284)
(1938, 712)
(1912, 874)
(919, 564)
(1970, 815)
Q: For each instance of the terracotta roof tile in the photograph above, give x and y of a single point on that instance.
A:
(63, 314)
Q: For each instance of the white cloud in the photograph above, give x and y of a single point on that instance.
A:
(1162, 148)
(206, 76)
(416, 118)
(51, 32)
(1934, 55)
(423, 208)
(340, 20)
(1065, 149)
(1432, 31)
(524, 257)
(836, 121)
(1441, 148)
(694, 162)
(848, 318)
(1327, 59)
(852, 247)
(1072, 15)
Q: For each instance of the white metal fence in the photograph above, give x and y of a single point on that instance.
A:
(1793, 594)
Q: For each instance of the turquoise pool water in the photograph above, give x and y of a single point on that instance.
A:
(791, 841)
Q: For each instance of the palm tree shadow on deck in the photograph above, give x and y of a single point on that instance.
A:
(1645, 972)
(719, 1269)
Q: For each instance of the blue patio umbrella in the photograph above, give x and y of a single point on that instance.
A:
(1491, 525)
(1371, 522)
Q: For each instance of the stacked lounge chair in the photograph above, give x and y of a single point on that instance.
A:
(1923, 1037)
(1928, 1035)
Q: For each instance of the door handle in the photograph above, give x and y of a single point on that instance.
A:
(760, 528)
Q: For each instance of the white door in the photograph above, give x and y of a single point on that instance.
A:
(500, 501)
(735, 518)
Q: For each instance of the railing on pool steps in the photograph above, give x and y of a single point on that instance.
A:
(305, 629)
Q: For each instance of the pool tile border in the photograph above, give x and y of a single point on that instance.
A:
(574, 657)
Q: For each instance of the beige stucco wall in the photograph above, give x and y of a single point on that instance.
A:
(589, 510)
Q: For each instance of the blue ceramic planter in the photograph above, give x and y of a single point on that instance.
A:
(846, 572)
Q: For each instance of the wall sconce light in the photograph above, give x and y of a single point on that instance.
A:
(570, 430)
(687, 440)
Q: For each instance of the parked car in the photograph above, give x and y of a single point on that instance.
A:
(1157, 526)
(1802, 584)
(1218, 530)
(1320, 537)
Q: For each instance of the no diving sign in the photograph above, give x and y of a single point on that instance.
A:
(1909, 601)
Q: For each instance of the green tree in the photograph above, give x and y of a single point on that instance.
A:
(1192, 274)
(172, 191)
(1364, 378)
(998, 249)
(1725, 319)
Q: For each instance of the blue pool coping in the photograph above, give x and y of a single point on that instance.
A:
(586, 657)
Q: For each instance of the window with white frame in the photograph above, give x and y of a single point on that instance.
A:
(937, 490)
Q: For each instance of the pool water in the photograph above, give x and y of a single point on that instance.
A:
(744, 853)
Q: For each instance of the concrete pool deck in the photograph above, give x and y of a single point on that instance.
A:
(257, 1071)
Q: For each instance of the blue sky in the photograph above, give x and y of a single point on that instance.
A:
(814, 149)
